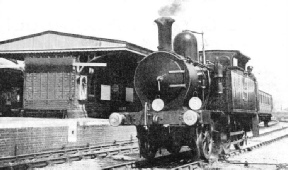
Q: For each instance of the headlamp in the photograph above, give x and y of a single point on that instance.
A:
(115, 119)
(190, 117)
(195, 103)
(157, 105)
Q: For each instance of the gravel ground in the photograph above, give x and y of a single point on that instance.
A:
(272, 156)
(275, 153)
(267, 157)
(88, 164)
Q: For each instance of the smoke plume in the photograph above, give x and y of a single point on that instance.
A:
(172, 9)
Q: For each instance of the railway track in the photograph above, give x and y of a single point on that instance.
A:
(250, 148)
(269, 132)
(183, 160)
(42, 159)
(183, 163)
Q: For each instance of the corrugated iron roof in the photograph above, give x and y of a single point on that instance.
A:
(73, 50)
(53, 41)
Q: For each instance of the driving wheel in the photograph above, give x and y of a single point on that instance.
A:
(148, 149)
(205, 144)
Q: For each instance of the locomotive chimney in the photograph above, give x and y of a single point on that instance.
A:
(164, 33)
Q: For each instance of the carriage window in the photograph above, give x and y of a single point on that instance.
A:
(270, 101)
(91, 86)
(235, 62)
(105, 92)
(261, 97)
(129, 94)
(82, 87)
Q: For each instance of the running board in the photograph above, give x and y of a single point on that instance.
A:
(177, 85)
(176, 71)
(237, 141)
(236, 133)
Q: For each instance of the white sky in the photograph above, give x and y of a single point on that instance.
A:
(258, 28)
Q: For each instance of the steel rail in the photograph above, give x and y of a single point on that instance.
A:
(65, 155)
(200, 164)
(248, 149)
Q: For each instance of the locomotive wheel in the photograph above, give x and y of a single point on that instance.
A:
(148, 150)
(174, 149)
(266, 123)
(147, 142)
(239, 145)
(194, 150)
(225, 143)
(226, 147)
(205, 144)
(174, 145)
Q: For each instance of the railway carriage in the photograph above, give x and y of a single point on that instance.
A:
(11, 87)
(265, 107)
(206, 101)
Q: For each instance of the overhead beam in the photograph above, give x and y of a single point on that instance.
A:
(80, 66)
(90, 64)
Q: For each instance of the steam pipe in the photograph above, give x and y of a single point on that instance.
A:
(203, 49)
(146, 115)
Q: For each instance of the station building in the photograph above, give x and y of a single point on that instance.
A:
(61, 75)
(69, 75)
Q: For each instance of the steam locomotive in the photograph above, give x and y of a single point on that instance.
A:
(207, 101)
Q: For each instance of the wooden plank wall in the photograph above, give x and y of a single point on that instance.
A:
(49, 90)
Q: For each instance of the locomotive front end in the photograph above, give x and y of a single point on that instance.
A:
(167, 82)
(162, 82)
(168, 88)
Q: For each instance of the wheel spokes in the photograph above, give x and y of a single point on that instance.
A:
(205, 143)
(148, 150)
